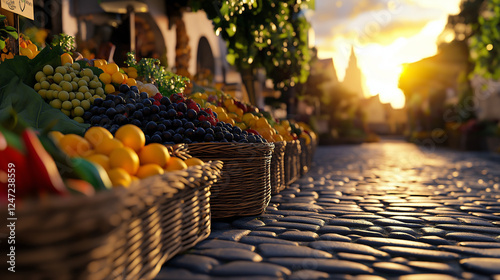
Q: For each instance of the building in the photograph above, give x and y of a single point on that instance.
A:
(354, 79)
(103, 35)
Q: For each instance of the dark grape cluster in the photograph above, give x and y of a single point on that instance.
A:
(164, 120)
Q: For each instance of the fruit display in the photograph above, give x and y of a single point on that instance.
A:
(244, 116)
(165, 120)
(112, 76)
(23, 151)
(69, 87)
(125, 156)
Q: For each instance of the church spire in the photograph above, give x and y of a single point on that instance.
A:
(354, 79)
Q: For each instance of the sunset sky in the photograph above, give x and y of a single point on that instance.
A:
(385, 34)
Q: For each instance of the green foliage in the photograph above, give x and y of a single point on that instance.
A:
(153, 72)
(263, 33)
(17, 94)
(6, 31)
(485, 43)
(66, 42)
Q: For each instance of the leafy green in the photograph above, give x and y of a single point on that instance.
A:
(25, 69)
(33, 110)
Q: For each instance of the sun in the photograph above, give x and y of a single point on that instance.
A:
(382, 65)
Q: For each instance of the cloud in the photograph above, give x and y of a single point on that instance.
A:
(373, 21)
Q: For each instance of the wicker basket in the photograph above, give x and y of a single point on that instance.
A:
(278, 168)
(292, 161)
(306, 150)
(120, 234)
(245, 186)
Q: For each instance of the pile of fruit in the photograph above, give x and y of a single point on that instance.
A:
(250, 119)
(69, 88)
(164, 120)
(125, 157)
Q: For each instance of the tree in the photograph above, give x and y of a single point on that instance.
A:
(265, 33)
(485, 43)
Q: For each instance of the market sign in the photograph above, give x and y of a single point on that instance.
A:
(20, 7)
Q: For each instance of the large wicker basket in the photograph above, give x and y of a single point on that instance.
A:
(245, 186)
(119, 234)
(278, 167)
(292, 161)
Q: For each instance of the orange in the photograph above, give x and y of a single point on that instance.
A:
(100, 159)
(119, 177)
(117, 78)
(111, 68)
(124, 158)
(131, 136)
(154, 153)
(105, 78)
(107, 146)
(66, 58)
(175, 164)
(193, 161)
(56, 135)
(74, 145)
(149, 170)
(96, 134)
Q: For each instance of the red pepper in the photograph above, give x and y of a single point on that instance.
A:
(43, 168)
(13, 165)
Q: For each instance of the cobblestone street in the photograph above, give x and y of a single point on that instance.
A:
(388, 210)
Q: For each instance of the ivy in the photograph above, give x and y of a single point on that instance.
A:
(485, 43)
(6, 31)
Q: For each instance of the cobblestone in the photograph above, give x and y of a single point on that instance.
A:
(388, 210)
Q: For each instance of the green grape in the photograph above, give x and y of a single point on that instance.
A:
(74, 85)
(67, 105)
(72, 95)
(56, 103)
(78, 111)
(83, 89)
(67, 77)
(58, 77)
(42, 93)
(75, 102)
(93, 84)
(80, 95)
(78, 119)
(99, 91)
(75, 66)
(66, 86)
(85, 104)
(48, 94)
(61, 69)
(87, 95)
(39, 75)
(66, 112)
(63, 95)
(37, 87)
(45, 85)
(82, 83)
(86, 78)
(48, 70)
(73, 75)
